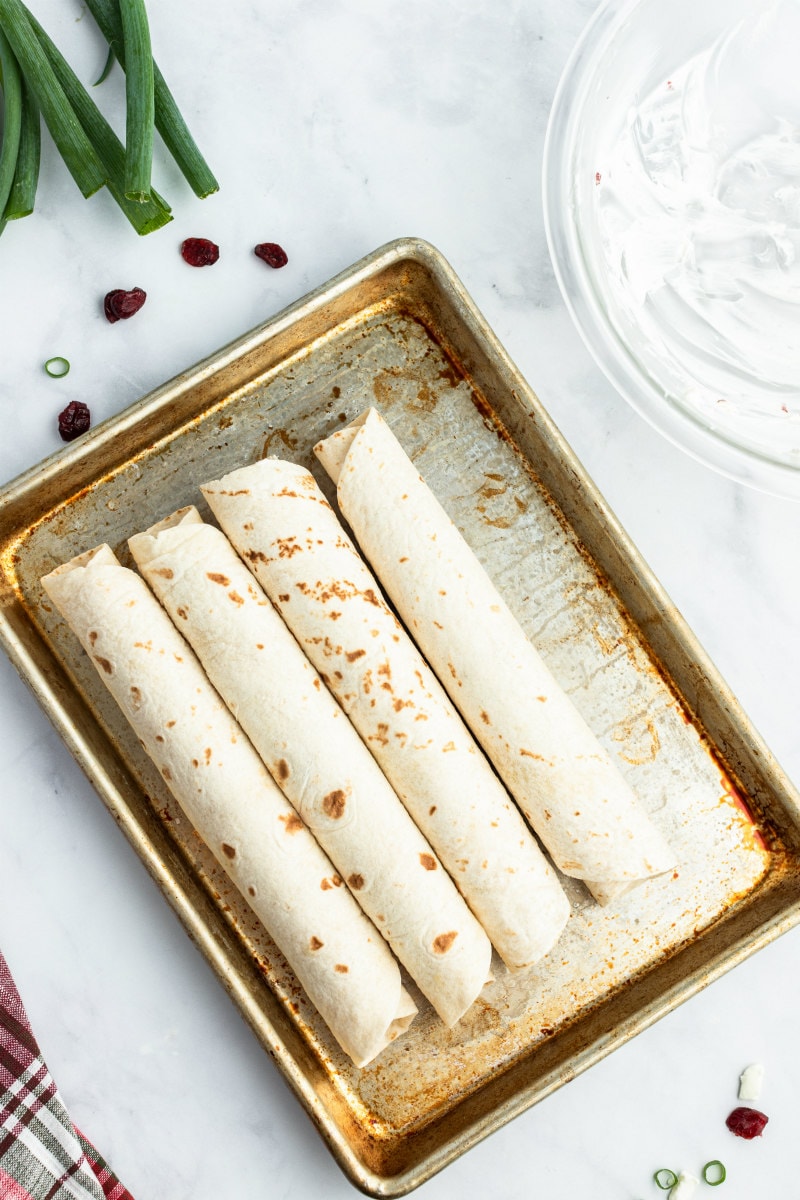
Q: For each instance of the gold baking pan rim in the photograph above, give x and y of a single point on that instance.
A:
(410, 277)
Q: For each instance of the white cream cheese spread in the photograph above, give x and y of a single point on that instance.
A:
(698, 210)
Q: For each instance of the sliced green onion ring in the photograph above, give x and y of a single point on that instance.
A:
(57, 368)
(718, 1172)
(665, 1179)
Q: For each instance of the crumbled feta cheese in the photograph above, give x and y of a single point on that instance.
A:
(685, 1187)
(750, 1082)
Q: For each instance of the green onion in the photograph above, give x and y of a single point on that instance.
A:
(57, 367)
(106, 71)
(665, 1179)
(67, 132)
(716, 1169)
(12, 119)
(146, 217)
(169, 120)
(26, 176)
(139, 100)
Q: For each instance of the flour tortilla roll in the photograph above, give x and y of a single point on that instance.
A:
(221, 784)
(566, 784)
(281, 524)
(316, 757)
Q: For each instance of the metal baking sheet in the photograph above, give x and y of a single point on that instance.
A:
(399, 332)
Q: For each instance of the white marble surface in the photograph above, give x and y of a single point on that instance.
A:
(335, 127)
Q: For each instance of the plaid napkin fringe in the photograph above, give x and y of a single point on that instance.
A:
(42, 1154)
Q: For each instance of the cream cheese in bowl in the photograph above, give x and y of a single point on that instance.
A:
(672, 197)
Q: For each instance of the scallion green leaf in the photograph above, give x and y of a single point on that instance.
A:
(67, 131)
(714, 1173)
(168, 118)
(146, 217)
(665, 1179)
(106, 71)
(139, 99)
(12, 119)
(26, 177)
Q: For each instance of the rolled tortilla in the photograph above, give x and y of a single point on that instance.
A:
(317, 758)
(565, 782)
(281, 524)
(221, 784)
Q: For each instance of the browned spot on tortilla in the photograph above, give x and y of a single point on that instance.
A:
(530, 754)
(136, 698)
(292, 822)
(143, 645)
(336, 391)
(195, 763)
(326, 885)
(251, 890)
(336, 880)
(256, 556)
(259, 645)
(449, 746)
(228, 851)
(282, 770)
(453, 671)
(215, 577)
(543, 699)
(182, 612)
(164, 572)
(315, 943)
(159, 738)
(92, 636)
(341, 968)
(284, 598)
(403, 559)
(333, 805)
(352, 655)
(431, 810)
(165, 771)
(240, 492)
(170, 724)
(104, 663)
(380, 735)
(207, 754)
(248, 525)
(235, 597)
(428, 862)
(316, 683)
(288, 546)
(444, 941)
(370, 596)
(438, 625)
(356, 882)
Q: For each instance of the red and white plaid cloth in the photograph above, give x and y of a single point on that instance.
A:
(43, 1156)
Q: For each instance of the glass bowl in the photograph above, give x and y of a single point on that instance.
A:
(672, 210)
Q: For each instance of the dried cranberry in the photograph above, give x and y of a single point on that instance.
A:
(74, 420)
(272, 254)
(119, 304)
(199, 252)
(747, 1122)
